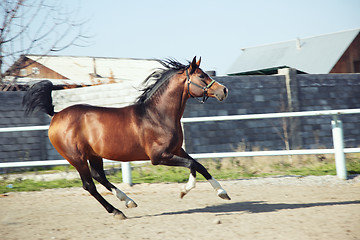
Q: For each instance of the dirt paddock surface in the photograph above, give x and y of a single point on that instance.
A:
(263, 208)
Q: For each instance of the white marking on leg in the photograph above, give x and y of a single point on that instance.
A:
(220, 191)
(129, 203)
(189, 185)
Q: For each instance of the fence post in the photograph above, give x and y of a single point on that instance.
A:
(338, 140)
(126, 173)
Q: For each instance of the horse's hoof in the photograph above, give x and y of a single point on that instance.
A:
(224, 195)
(131, 204)
(119, 215)
(182, 194)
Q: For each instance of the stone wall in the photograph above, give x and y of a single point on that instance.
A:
(35, 145)
(247, 95)
(329, 91)
(20, 146)
(268, 94)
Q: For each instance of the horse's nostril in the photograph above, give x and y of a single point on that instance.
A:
(225, 91)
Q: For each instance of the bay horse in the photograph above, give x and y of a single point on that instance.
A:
(150, 129)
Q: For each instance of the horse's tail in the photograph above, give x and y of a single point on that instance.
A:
(38, 98)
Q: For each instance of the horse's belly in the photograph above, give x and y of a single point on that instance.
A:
(133, 156)
(120, 151)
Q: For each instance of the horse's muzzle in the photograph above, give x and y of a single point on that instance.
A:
(221, 93)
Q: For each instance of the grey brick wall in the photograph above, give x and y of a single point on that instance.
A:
(247, 95)
(35, 145)
(329, 91)
(267, 94)
(20, 146)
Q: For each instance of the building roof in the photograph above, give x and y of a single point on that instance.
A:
(314, 55)
(80, 70)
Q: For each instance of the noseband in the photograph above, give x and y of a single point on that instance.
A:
(204, 88)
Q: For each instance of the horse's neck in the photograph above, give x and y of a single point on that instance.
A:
(171, 104)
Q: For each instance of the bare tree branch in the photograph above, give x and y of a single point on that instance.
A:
(36, 27)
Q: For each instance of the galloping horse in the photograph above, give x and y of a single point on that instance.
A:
(148, 129)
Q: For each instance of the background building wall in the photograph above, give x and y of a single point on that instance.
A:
(350, 60)
(247, 95)
(20, 146)
(267, 94)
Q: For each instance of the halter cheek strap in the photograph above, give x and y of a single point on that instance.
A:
(204, 88)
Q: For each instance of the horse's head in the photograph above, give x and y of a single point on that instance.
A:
(200, 84)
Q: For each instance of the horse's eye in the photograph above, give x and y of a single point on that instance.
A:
(202, 76)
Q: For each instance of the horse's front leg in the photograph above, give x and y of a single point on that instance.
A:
(184, 160)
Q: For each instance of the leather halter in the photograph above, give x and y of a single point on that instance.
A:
(204, 88)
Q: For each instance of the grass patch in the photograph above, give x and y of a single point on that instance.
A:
(225, 169)
(154, 174)
(31, 185)
(317, 170)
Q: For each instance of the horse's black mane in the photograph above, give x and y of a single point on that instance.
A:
(161, 78)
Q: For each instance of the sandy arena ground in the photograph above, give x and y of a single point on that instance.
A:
(265, 208)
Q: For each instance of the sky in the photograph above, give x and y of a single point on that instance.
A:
(214, 30)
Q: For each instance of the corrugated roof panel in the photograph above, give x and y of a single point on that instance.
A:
(316, 54)
(79, 69)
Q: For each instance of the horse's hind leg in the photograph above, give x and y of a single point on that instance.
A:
(97, 172)
(88, 184)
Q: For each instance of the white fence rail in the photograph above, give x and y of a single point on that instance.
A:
(337, 131)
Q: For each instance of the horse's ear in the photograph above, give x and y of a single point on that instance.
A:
(198, 62)
(194, 65)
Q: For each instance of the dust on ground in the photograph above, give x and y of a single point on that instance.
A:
(262, 208)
